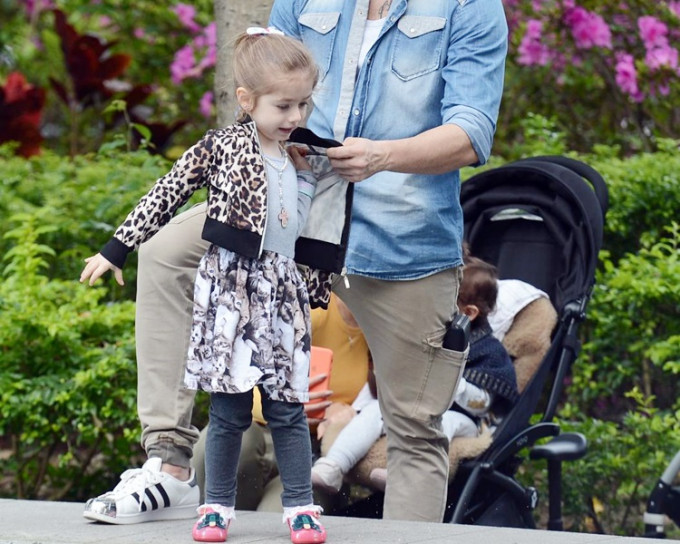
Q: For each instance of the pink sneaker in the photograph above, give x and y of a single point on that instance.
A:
(305, 528)
(211, 526)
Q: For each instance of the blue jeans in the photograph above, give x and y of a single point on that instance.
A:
(230, 417)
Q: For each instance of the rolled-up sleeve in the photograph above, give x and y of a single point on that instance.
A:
(475, 71)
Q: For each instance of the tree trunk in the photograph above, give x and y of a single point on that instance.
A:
(232, 17)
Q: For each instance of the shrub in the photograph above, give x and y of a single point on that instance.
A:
(643, 191)
(607, 491)
(608, 72)
(68, 377)
(67, 387)
(633, 333)
(85, 56)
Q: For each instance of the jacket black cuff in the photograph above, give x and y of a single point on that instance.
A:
(115, 252)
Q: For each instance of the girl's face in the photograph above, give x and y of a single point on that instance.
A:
(278, 113)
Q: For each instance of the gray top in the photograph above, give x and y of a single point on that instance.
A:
(298, 190)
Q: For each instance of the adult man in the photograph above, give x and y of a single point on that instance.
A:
(412, 89)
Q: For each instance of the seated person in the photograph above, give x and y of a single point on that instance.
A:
(486, 391)
(523, 320)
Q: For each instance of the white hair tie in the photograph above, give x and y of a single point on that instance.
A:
(255, 30)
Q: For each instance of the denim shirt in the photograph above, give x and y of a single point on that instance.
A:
(435, 62)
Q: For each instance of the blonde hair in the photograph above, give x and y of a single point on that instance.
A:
(260, 61)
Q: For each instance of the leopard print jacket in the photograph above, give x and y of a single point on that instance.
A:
(229, 162)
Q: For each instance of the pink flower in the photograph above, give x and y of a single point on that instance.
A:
(183, 65)
(664, 89)
(652, 31)
(531, 50)
(626, 76)
(662, 57)
(534, 29)
(210, 33)
(186, 13)
(36, 6)
(139, 33)
(209, 41)
(588, 29)
(205, 104)
(675, 8)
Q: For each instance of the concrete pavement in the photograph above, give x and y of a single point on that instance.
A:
(39, 522)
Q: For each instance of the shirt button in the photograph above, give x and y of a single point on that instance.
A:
(412, 30)
(324, 27)
(356, 112)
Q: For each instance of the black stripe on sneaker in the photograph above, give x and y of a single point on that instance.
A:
(136, 497)
(166, 499)
(154, 503)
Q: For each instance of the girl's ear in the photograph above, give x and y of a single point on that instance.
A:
(245, 99)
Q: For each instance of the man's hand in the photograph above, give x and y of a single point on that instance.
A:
(358, 158)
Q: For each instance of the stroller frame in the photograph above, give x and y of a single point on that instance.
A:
(484, 490)
(664, 500)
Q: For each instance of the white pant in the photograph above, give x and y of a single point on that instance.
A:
(354, 441)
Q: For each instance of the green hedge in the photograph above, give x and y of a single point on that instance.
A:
(68, 379)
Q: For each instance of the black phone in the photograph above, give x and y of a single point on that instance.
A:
(457, 333)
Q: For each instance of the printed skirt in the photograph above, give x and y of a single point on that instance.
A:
(251, 325)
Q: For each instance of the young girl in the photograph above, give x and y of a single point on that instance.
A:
(486, 391)
(251, 318)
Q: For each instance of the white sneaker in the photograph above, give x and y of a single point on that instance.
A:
(327, 475)
(145, 494)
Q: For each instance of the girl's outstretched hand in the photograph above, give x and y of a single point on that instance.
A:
(96, 266)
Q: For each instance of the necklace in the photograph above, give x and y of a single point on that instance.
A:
(283, 214)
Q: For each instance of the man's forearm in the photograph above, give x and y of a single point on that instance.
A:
(436, 151)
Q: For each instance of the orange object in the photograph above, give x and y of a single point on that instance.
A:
(321, 363)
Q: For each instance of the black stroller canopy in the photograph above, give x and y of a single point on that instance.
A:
(539, 220)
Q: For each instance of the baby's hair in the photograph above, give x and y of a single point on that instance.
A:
(261, 61)
(479, 285)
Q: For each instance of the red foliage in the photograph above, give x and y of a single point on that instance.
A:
(160, 134)
(89, 63)
(21, 107)
(93, 71)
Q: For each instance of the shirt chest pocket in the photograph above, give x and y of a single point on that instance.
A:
(418, 46)
(318, 34)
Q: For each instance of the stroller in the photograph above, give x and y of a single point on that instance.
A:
(539, 220)
(664, 500)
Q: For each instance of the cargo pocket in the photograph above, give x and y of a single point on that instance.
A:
(445, 368)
